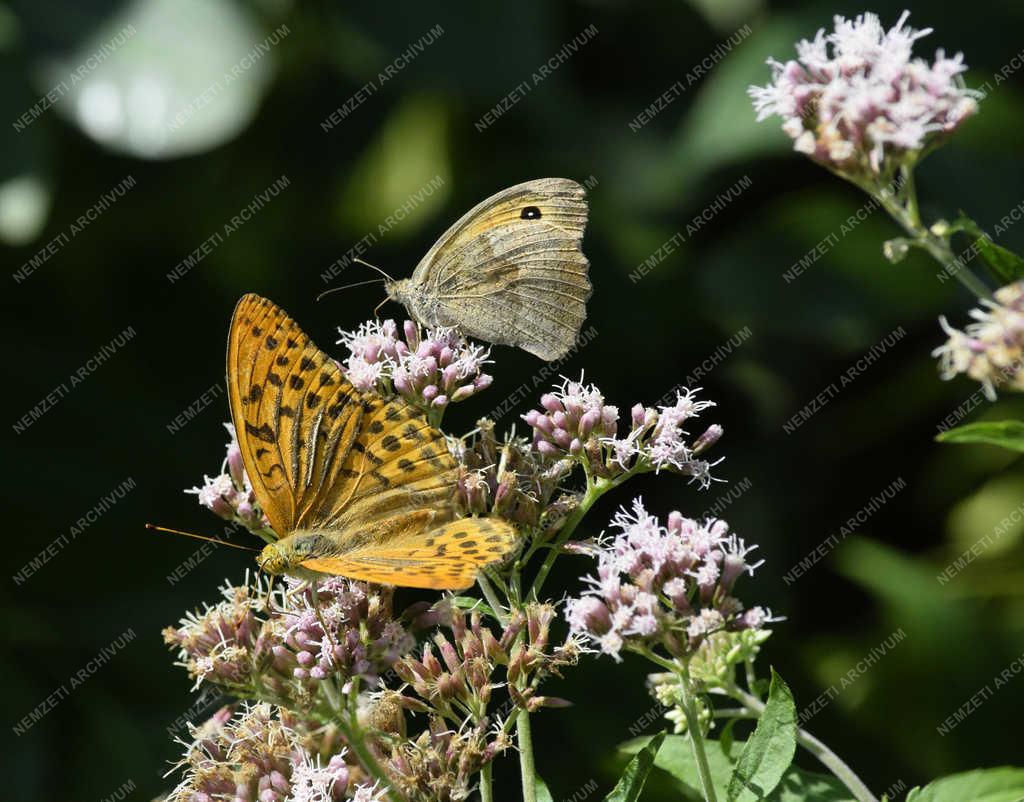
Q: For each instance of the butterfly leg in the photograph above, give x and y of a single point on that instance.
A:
(268, 606)
(288, 594)
(320, 618)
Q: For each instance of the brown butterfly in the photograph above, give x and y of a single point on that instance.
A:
(355, 484)
(510, 271)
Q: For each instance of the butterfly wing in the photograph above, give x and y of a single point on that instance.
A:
(370, 477)
(397, 462)
(511, 270)
(295, 415)
(392, 518)
(444, 558)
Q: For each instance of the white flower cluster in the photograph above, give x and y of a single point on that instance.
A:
(856, 97)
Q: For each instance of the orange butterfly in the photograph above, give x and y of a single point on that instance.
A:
(354, 484)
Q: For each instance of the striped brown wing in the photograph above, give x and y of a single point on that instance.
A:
(322, 456)
(397, 463)
(512, 270)
(295, 415)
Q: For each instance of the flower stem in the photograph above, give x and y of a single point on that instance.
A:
(751, 674)
(828, 758)
(348, 723)
(486, 789)
(491, 596)
(696, 736)
(527, 770)
(904, 210)
(595, 489)
(356, 740)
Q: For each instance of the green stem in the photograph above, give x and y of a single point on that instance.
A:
(909, 193)
(486, 789)
(696, 736)
(734, 712)
(348, 723)
(751, 675)
(828, 758)
(595, 489)
(906, 214)
(527, 770)
(356, 740)
(491, 596)
(654, 657)
(333, 699)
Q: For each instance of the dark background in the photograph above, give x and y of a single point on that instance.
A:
(651, 334)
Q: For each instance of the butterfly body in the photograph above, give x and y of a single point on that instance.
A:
(420, 303)
(510, 271)
(354, 484)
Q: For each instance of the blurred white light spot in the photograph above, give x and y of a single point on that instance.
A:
(24, 203)
(147, 107)
(100, 110)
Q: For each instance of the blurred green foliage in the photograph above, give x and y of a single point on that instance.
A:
(344, 181)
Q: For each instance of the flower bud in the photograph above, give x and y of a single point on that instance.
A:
(537, 702)
(551, 403)
(708, 439)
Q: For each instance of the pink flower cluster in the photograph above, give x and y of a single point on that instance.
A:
(261, 755)
(856, 97)
(669, 585)
(288, 643)
(575, 422)
(432, 371)
(990, 350)
(229, 494)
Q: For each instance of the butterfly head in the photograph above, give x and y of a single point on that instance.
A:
(415, 300)
(286, 555)
(398, 289)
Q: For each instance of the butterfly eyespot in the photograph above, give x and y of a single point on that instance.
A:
(530, 213)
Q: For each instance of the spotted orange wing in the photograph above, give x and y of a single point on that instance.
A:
(446, 557)
(295, 414)
(370, 476)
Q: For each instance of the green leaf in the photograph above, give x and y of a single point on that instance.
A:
(540, 790)
(1005, 264)
(1003, 784)
(806, 786)
(1007, 433)
(676, 758)
(769, 751)
(726, 739)
(473, 603)
(633, 778)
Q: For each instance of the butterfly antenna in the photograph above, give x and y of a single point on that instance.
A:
(373, 267)
(349, 286)
(199, 537)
